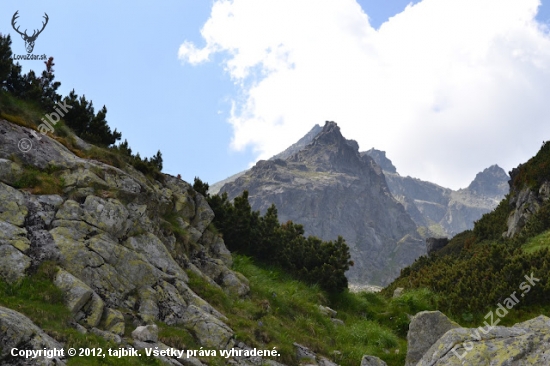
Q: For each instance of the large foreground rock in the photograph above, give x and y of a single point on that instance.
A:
(372, 361)
(523, 344)
(18, 331)
(424, 330)
(124, 244)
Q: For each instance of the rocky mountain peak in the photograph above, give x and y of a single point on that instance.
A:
(331, 135)
(441, 211)
(330, 151)
(300, 144)
(380, 158)
(491, 182)
(332, 190)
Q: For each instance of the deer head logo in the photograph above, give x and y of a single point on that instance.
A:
(29, 40)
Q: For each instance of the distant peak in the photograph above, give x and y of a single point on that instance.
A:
(330, 125)
(380, 158)
(330, 135)
(300, 144)
(330, 151)
(495, 171)
(492, 181)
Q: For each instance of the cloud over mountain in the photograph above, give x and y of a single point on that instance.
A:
(448, 87)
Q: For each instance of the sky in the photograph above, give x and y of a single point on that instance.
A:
(445, 87)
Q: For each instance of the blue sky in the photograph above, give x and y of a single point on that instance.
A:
(213, 105)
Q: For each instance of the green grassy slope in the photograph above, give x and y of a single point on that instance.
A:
(480, 268)
(278, 312)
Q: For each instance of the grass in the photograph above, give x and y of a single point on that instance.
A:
(538, 242)
(176, 337)
(281, 311)
(278, 312)
(433, 229)
(18, 111)
(47, 181)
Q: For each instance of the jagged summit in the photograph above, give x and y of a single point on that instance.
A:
(331, 135)
(441, 211)
(380, 158)
(493, 181)
(300, 144)
(330, 151)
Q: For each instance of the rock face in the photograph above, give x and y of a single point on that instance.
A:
(294, 148)
(380, 158)
(372, 361)
(111, 232)
(491, 182)
(18, 331)
(300, 144)
(524, 203)
(442, 211)
(526, 343)
(425, 329)
(333, 190)
(436, 210)
(434, 244)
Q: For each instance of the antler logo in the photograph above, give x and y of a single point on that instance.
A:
(29, 40)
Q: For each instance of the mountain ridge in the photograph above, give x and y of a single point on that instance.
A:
(442, 211)
(437, 210)
(324, 160)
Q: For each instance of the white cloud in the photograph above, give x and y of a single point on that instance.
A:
(447, 88)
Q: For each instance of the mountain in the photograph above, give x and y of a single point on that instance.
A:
(300, 144)
(435, 210)
(330, 188)
(440, 211)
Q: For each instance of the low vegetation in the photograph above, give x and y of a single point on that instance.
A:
(480, 268)
(279, 311)
(40, 181)
(537, 243)
(282, 310)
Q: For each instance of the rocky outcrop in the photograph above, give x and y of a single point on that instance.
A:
(111, 232)
(526, 343)
(425, 329)
(332, 190)
(380, 158)
(294, 148)
(525, 203)
(81, 300)
(434, 244)
(372, 361)
(442, 211)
